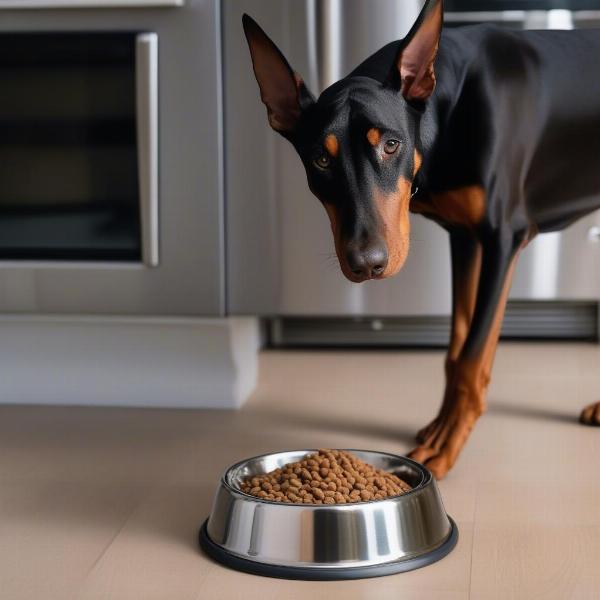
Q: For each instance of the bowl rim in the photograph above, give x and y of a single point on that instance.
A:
(426, 479)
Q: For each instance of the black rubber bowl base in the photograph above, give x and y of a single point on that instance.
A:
(324, 573)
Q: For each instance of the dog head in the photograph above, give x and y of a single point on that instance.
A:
(358, 142)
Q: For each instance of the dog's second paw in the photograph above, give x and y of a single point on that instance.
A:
(590, 415)
(438, 464)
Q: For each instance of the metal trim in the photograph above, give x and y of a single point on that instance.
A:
(53, 4)
(483, 16)
(514, 16)
(549, 320)
(238, 563)
(146, 75)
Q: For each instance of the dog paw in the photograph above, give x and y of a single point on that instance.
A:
(439, 463)
(442, 440)
(590, 415)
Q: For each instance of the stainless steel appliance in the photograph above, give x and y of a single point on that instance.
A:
(344, 541)
(280, 249)
(111, 157)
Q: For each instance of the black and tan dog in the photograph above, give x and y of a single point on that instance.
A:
(506, 145)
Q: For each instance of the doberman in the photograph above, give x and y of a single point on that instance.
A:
(504, 146)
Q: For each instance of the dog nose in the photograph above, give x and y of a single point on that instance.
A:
(367, 262)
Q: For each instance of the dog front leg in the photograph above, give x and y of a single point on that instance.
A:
(465, 256)
(470, 374)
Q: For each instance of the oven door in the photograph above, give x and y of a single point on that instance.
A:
(78, 147)
(110, 166)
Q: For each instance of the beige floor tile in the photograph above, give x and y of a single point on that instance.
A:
(51, 534)
(536, 541)
(237, 586)
(156, 555)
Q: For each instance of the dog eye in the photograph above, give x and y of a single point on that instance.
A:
(322, 161)
(391, 146)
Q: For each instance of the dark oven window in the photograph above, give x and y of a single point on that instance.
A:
(68, 158)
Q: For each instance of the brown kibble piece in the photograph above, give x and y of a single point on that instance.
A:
(318, 493)
(326, 477)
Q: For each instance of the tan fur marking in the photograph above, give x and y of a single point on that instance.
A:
(465, 294)
(393, 212)
(463, 314)
(374, 136)
(463, 206)
(492, 341)
(417, 160)
(332, 214)
(464, 400)
(335, 229)
(476, 372)
(331, 145)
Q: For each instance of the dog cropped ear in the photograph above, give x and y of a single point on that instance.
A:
(281, 88)
(413, 71)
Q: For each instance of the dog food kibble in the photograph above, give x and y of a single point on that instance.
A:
(326, 477)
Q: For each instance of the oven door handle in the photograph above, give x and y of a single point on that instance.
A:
(21, 4)
(146, 80)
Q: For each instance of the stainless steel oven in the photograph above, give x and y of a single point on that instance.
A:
(110, 157)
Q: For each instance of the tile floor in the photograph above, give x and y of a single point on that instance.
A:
(105, 503)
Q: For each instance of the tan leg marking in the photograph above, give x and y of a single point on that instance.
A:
(448, 433)
(465, 295)
(464, 288)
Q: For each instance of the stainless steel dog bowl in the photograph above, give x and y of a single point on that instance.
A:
(324, 542)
